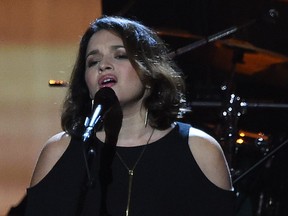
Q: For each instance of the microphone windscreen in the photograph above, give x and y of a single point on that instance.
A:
(105, 96)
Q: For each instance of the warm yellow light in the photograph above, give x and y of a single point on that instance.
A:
(239, 141)
(59, 83)
(242, 134)
(52, 82)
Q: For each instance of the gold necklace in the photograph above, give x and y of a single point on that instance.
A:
(131, 171)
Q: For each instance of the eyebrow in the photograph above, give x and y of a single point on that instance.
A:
(96, 51)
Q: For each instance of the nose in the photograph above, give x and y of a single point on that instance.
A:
(105, 65)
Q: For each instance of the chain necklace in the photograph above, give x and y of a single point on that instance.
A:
(131, 171)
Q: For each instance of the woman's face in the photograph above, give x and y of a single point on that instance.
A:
(107, 65)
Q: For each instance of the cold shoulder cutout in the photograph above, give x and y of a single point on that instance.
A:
(210, 158)
(50, 154)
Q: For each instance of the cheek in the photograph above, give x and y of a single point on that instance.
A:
(91, 83)
(135, 86)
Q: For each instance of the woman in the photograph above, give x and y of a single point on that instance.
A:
(158, 167)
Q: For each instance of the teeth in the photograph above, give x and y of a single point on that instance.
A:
(108, 80)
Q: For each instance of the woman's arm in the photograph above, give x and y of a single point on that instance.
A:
(210, 158)
(50, 154)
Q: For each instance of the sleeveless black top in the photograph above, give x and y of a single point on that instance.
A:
(167, 182)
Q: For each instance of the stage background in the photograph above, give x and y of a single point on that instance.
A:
(38, 42)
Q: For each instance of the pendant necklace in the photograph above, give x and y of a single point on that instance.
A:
(131, 171)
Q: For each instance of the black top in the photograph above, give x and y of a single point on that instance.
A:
(167, 181)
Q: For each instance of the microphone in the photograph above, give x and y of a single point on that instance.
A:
(104, 99)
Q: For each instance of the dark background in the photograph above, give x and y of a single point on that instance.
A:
(264, 25)
(204, 18)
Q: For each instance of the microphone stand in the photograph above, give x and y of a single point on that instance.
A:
(105, 155)
(100, 156)
(210, 39)
(104, 158)
(261, 161)
(243, 104)
(89, 155)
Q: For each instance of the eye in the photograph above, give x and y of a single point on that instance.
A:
(92, 62)
(120, 53)
(121, 56)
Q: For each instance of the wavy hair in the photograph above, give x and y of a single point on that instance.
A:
(149, 56)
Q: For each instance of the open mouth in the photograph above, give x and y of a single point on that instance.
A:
(107, 81)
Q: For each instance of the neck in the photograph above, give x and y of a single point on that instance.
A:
(133, 131)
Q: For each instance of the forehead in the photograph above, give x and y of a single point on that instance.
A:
(104, 38)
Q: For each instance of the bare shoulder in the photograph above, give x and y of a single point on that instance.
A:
(210, 158)
(50, 154)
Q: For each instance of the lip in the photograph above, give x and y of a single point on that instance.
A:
(102, 79)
